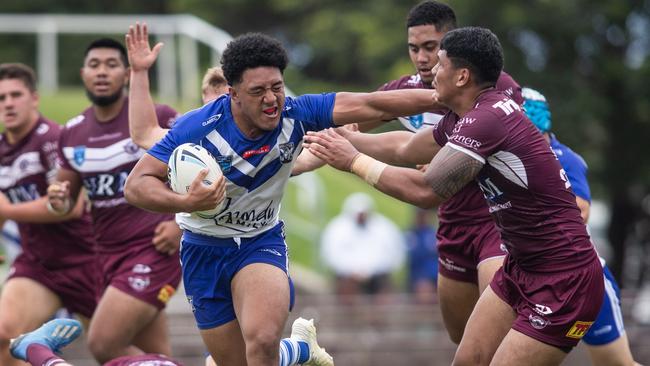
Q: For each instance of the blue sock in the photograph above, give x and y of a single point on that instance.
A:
(293, 352)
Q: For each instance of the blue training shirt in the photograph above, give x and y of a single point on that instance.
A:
(574, 166)
(257, 170)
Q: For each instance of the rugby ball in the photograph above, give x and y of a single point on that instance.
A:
(184, 165)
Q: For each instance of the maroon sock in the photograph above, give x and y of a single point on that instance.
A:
(39, 355)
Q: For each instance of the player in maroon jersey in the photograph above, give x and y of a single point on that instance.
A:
(469, 245)
(139, 263)
(57, 266)
(547, 294)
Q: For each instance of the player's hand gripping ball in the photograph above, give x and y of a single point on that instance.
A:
(184, 165)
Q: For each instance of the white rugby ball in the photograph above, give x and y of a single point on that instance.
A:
(184, 165)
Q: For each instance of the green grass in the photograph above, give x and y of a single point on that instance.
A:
(336, 186)
(305, 212)
(65, 104)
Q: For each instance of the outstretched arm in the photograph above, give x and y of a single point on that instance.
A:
(306, 162)
(382, 105)
(401, 148)
(449, 171)
(36, 211)
(69, 202)
(143, 122)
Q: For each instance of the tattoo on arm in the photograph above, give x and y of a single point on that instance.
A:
(450, 171)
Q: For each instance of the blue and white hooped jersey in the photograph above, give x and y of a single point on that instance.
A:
(257, 170)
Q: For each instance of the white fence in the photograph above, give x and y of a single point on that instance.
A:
(165, 28)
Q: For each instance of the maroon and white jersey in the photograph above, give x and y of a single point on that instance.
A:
(26, 169)
(418, 121)
(429, 119)
(467, 207)
(527, 190)
(103, 155)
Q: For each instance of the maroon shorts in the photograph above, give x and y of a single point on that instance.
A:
(143, 360)
(556, 308)
(142, 272)
(461, 248)
(77, 286)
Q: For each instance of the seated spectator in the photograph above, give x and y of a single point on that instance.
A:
(362, 248)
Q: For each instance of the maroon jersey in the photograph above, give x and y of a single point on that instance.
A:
(418, 121)
(526, 188)
(406, 82)
(26, 169)
(103, 155)
(467, 207)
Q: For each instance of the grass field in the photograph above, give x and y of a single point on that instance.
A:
(310, 202)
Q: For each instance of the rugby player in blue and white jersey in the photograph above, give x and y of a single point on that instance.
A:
(235, 264)
(146, 132)
(606, 339)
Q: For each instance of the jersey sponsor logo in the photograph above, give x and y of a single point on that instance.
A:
(490, 190)
(105, 184)
(463, 122)
(212, 119)
(286, 152)
(507, 105)
(225, 163)
(579, 329)
(251, 218)
(23, 193)
(79, 154)
(538, 322)
(494, 207)
(466, 141)
(50, 146)
(262, 150)
(166, 292)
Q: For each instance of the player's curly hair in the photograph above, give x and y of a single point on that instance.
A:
(434, 13)
(249, 51)
(477, 49)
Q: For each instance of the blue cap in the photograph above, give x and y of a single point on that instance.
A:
(537, 109)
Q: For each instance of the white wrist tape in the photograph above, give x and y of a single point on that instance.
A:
(56, 212)
(367, 168)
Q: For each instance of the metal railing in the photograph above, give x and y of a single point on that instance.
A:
(190, 29)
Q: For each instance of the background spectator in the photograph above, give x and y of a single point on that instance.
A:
(422, 257)
(362, 248)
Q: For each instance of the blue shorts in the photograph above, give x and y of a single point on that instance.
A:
(608, 326)
(209, 265)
